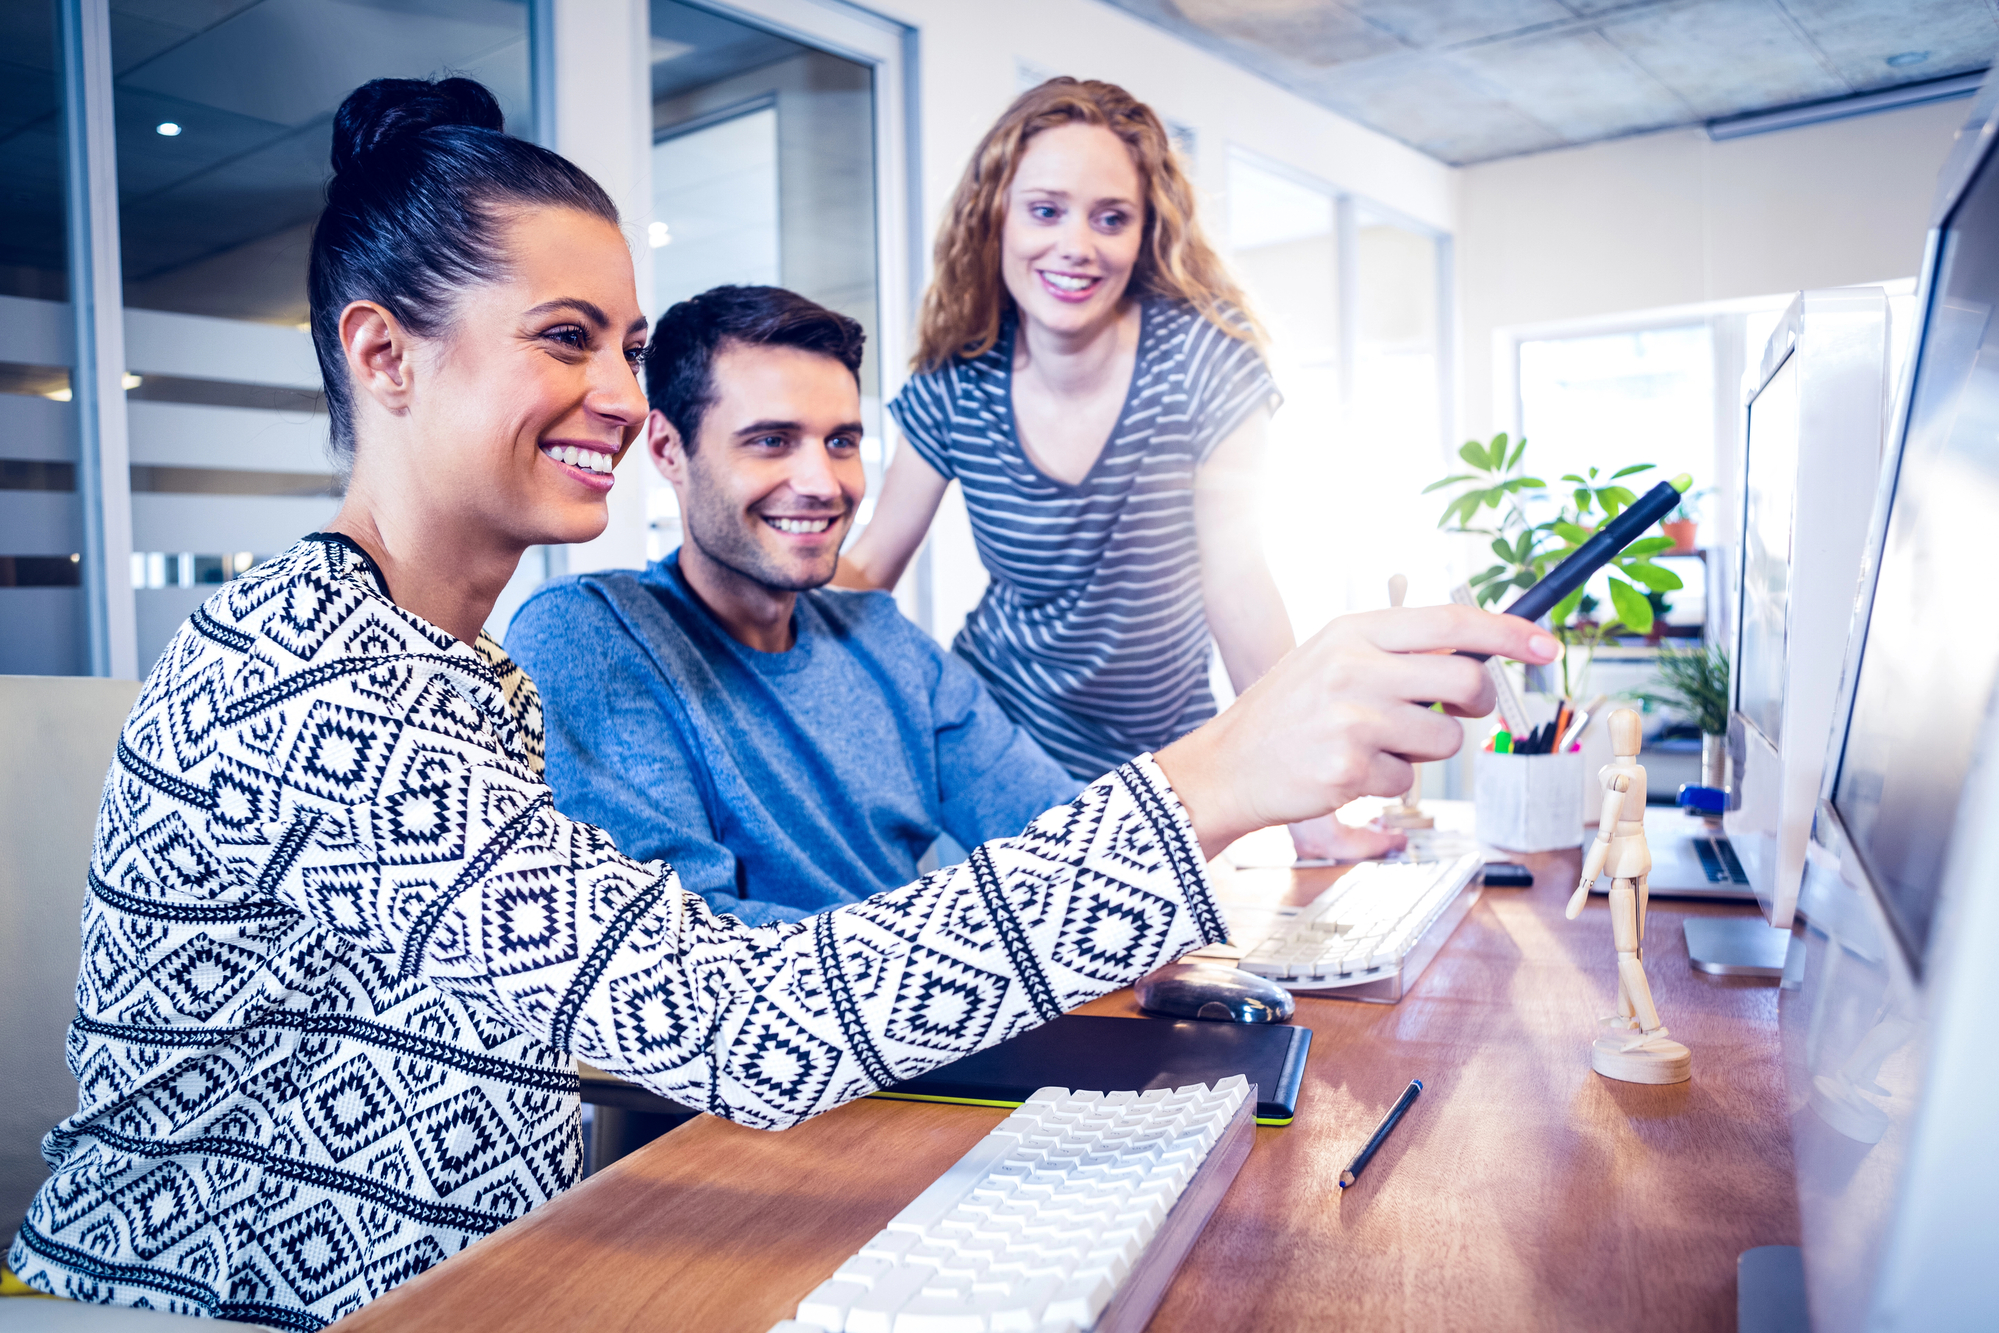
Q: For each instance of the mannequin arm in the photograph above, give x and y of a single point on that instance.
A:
(1613, 797)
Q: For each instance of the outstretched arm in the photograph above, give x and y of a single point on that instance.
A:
(910, 494)
(1613, 797)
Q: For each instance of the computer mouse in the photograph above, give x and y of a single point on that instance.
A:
(1214, 991)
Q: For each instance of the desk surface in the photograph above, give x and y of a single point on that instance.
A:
(1522, 1190)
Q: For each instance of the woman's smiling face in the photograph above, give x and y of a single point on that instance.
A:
(1075, 219)
(529, 399)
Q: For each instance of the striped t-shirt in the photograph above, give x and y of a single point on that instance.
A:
(1092, 634)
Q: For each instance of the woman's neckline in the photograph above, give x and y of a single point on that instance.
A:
(1006, 349)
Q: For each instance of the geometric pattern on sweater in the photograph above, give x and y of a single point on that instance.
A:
(340, 952)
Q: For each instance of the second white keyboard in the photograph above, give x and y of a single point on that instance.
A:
(1037, 1228)
(1364, 926)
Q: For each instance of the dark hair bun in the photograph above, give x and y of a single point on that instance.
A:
(383, 111)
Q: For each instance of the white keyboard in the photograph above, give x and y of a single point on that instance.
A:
(1376, 927)
(1071, 1214)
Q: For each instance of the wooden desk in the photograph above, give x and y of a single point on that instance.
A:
(1521, 1191)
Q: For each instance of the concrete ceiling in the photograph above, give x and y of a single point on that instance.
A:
(1472, 80)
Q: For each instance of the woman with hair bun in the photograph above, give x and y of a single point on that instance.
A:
(1091, 376)
(340, 950)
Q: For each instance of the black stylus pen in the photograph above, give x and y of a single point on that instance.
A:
(1595, 553)
(1361, 1158)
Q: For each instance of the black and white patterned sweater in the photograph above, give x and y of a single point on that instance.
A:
(340, 952)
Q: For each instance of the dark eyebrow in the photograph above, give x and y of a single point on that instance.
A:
(793, 428)
(636, 326)
(590, 312)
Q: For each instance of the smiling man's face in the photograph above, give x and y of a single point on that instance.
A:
(771, 487)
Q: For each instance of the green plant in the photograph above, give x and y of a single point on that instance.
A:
(1695, 681)
(1527, 550)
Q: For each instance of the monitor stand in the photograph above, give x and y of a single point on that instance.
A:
(1736, 946)
(1770, 1290)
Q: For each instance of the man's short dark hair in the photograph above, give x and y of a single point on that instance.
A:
(680, 360)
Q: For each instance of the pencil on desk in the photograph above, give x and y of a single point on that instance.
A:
(1366, 1154)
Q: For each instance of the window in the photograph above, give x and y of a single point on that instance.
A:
(1351, 298)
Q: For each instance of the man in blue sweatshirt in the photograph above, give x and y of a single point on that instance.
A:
(786, 746)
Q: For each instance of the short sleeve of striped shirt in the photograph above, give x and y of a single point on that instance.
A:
(923, 410)
(1227, 380)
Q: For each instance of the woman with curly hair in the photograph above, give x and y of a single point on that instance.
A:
(1092, 377)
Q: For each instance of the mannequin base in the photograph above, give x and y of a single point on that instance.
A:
(1665, 1062)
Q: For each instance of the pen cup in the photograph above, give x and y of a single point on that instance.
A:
(1529, 802)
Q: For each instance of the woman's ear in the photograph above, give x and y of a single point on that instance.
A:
(378, 355)
(668, 452)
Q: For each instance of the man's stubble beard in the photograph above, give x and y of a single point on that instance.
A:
(720, 534)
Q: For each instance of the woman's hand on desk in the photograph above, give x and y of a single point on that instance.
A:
(1343, 715)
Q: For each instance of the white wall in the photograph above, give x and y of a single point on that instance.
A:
(1674, 219)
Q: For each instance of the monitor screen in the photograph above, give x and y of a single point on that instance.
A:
(1769, 490)
(1931, 653)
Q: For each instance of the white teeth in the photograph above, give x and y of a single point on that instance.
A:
(801, 525)
(1065, 282)
(590, 460)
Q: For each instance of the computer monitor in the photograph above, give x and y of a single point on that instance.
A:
(1811, 465)
(1887, 1019)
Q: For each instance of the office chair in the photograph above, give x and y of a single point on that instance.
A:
(57, 736)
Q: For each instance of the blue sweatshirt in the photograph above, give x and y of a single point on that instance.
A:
(777, 784)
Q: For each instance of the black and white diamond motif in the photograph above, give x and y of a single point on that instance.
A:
(1111, 927)
(460, 1140)
(530, 921)
(349, 1108)
(423, 820)
(178, 860)
(944, 1004)
(204, 974)
(314, 1251)
(785, 1066)
(340, 753)
(161, 1208)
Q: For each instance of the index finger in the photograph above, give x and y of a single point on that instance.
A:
(1423, 629)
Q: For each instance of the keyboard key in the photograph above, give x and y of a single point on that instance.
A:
(1082, 1298)
(829, 1302)
(874, 1310)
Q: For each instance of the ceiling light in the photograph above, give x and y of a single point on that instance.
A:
(170, 129)
(656, 235)
(133, 381)
(1908, 58)
(58, 395)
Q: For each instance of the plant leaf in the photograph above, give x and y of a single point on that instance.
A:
(1632, 608)
(1502, 550)
(1565, 608)
(1447, 481)
(1474, 453)
(1648, 546)
(1627, 471)
(1570, 476)
(1623, 495)
(1518, 450)
(1571, 533)
(1653, 577)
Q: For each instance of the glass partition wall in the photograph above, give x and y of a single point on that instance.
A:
(208, 166)
(42, 628)
(763, 174)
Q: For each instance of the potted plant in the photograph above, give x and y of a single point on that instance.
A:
(1683, 524)
(1695, 681)
(1526, 550)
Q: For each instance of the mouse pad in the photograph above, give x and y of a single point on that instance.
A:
(1093, 1053)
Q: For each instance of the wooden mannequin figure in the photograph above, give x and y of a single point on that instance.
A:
(1643, 1052)
(1408, 813)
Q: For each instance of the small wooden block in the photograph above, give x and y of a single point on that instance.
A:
(1668, 1062)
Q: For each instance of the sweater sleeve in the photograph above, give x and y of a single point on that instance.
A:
(433, 847)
